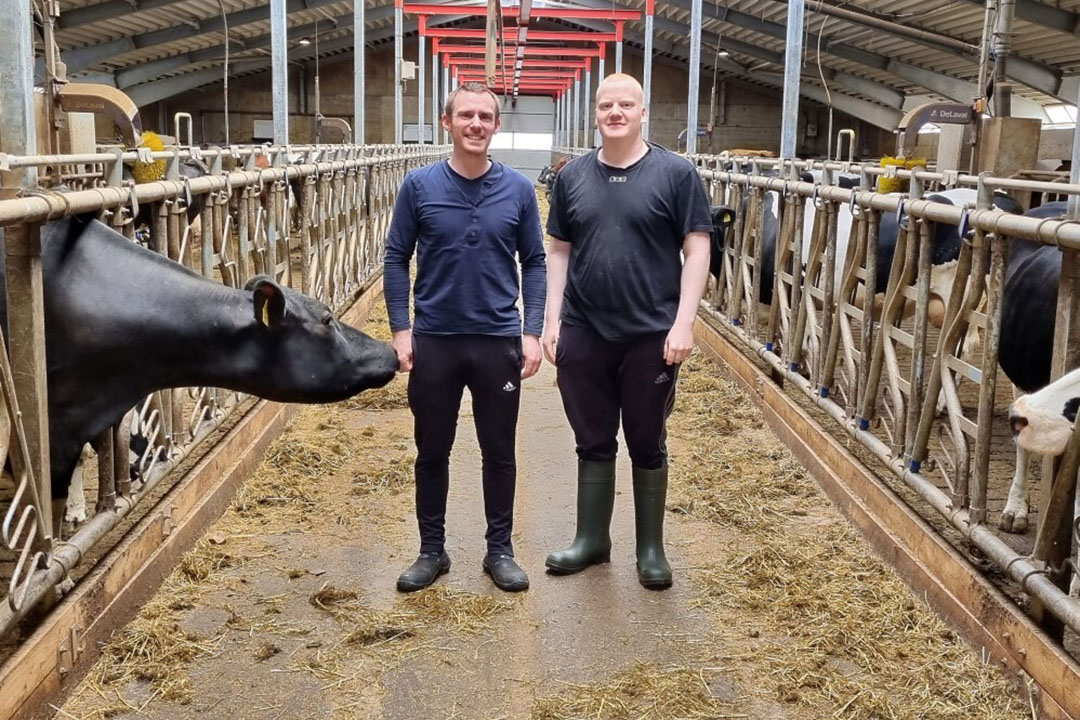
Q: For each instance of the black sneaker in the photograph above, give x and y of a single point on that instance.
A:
(506, 573)
(423, 572)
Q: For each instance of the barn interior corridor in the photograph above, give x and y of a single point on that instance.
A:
(287, 608)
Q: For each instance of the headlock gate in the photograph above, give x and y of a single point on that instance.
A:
(807, 300)
(314, 218)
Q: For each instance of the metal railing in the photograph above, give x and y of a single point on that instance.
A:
(868, 356)
(329, 250)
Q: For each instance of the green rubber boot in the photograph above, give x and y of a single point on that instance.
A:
(595, 499)
(650, 493)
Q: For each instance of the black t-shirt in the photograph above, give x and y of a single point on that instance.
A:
(626, 228)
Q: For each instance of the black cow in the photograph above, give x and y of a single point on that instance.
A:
(122, 322)
(1029, 306)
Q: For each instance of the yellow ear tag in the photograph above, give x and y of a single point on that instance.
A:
(266, 314)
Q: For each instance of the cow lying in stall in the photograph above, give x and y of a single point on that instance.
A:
(122, 322)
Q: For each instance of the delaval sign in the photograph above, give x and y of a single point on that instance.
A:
(937, 113)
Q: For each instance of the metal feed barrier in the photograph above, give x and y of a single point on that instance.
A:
(331, 251)
(871, 366)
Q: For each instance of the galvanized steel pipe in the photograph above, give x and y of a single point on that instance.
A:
(695, 76)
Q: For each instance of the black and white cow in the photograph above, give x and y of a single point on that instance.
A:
(1028, 312)
(1042, 424)
(122, 322)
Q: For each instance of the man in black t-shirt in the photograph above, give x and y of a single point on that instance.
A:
(620, 307)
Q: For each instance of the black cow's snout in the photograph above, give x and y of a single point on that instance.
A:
(1017, 423)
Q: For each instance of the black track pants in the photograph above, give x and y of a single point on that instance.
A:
(443, 366)
(599, 380)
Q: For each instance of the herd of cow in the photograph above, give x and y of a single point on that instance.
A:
(1041, 421)
(155, 325)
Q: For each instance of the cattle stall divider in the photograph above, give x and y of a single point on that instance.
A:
(877, 371)
(332, 251)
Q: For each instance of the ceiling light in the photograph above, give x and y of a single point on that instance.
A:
(722, 53)
(303, 41)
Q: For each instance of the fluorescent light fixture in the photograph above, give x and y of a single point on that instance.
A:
(722, 53)
(303, 41)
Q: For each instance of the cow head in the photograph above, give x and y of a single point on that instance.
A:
(305, 353)
(1042, 422)
(723, 217)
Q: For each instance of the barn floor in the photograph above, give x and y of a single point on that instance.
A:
(287, 608)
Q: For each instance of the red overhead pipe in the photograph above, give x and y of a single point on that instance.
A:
(567, 36)
(567, 13)
(529, 50)
(549, 64)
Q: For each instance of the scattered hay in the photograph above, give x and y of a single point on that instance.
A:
(371, 628)
(265, 651)
(646, 691)
(391, 478)
(205, 559)
(457, 610)
(329, 597)
(393, 396)
(838, 630)
(315, 446)
(725, 465)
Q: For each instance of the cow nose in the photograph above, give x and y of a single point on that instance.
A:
(1017, 423)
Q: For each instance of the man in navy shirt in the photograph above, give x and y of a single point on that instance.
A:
(471, 222)
(621, 308)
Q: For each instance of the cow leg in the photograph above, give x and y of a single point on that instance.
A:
(75, 511)
(72, 508)
(1074, 584)
(1014, 518)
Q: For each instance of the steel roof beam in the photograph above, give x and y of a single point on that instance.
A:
(939, 83)
(78, 59)
(150, 92)
(155, 68)
(1036, 75)
(885, 117)
(1064, 21)
(870, 88)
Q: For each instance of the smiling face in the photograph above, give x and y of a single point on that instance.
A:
(620, 108)
(472, 122)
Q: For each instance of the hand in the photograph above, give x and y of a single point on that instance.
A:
(551, 336)
(402, 344)
(679, 344)
(530, 355)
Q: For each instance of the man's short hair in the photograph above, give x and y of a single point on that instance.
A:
(472, 87)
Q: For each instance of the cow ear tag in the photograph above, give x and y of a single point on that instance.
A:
(269, 302)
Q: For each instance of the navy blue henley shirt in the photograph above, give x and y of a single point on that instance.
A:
(469, 236)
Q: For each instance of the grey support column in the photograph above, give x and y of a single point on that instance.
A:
(398, 21)
(649, 11)
(421, 66)
(434, 95)
(26, 331)
(358, 72)
(599, 79)
(279, 49)
(695, 76)
(576, 117)
(792, 79)
(586, 135)
(618, 45)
